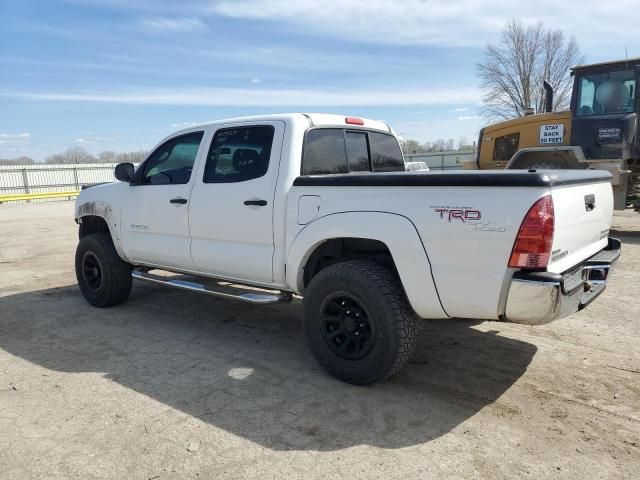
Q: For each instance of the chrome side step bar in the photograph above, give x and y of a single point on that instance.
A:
(218, 288)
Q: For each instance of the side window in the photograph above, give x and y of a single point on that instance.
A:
(357, 151)
(239, 154)
(587, 95)
(631, 87)
(171, 163)
(385, 153)
(324, 152)
(506, 146)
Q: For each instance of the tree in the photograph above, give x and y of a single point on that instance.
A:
(412, 146)
(17, 161)
(132, 157)
(448, 146)
(71, 155)
(464, 144)
(514, 69)
(108, 156)
(438, 145)
(75, 155)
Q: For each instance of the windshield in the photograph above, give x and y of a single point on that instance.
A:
(609, 92)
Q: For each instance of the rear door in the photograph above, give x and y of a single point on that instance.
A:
(231, 208)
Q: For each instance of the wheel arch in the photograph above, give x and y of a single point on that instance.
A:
(90, 224)
(98, 217)
(367, 234)
(335, 250)
(571, 157)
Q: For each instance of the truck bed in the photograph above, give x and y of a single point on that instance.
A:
(468, 221)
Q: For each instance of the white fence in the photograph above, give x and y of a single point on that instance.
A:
(25, 179)
(442, 160)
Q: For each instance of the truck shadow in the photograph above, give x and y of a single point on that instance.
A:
(626, 236)
(248, 371)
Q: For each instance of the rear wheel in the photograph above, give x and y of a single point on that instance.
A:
(358, 322)
(103, 277)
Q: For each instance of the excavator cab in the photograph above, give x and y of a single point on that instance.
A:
(605, 107)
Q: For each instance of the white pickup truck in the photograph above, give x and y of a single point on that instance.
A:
(262, 208)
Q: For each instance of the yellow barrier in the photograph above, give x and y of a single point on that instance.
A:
(37, 196)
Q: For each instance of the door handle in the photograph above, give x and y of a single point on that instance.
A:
(259, 203)
(179, 200)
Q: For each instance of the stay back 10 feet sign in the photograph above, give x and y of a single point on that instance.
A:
(551, 134)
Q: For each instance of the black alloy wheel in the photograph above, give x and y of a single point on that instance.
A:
(347, 327)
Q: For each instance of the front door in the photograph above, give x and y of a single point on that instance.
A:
(231, 209)
(155, 213)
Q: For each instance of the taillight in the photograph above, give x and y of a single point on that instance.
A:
(353, 121)
(532, 247)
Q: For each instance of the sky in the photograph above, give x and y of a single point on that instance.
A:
(122, 74)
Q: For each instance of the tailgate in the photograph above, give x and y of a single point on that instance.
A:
(583, 215)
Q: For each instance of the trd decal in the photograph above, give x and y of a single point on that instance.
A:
(461, 214)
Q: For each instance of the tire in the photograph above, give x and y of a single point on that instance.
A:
(533, 164)
(336, 298)
(104, 279)
(551, 165)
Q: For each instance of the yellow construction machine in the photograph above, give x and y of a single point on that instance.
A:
(600, 131)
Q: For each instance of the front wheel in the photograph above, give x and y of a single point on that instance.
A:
(358, 322)
(103, 277)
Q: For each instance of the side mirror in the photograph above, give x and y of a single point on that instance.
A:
(124, 172)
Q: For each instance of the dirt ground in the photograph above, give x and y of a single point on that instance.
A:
(175, 385)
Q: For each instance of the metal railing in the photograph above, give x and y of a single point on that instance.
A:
(50, 182)
(53, 182)
(442, 160)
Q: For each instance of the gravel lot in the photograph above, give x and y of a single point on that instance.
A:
(175, 385)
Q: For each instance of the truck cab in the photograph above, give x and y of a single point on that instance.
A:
(236, 174)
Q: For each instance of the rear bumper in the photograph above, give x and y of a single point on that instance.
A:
(541, 297)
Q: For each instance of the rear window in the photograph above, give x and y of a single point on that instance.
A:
(338, 150)
(357, 151)
(385, 153)
(324, 152)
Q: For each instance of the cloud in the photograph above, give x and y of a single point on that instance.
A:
(468, 23)
(184, 124)
(14, 138)
(380, 21)
(184, 24)
(15, 150)
(255, 80)
(92, 139)
(459, 110)
(261, 97)
(466, 118)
